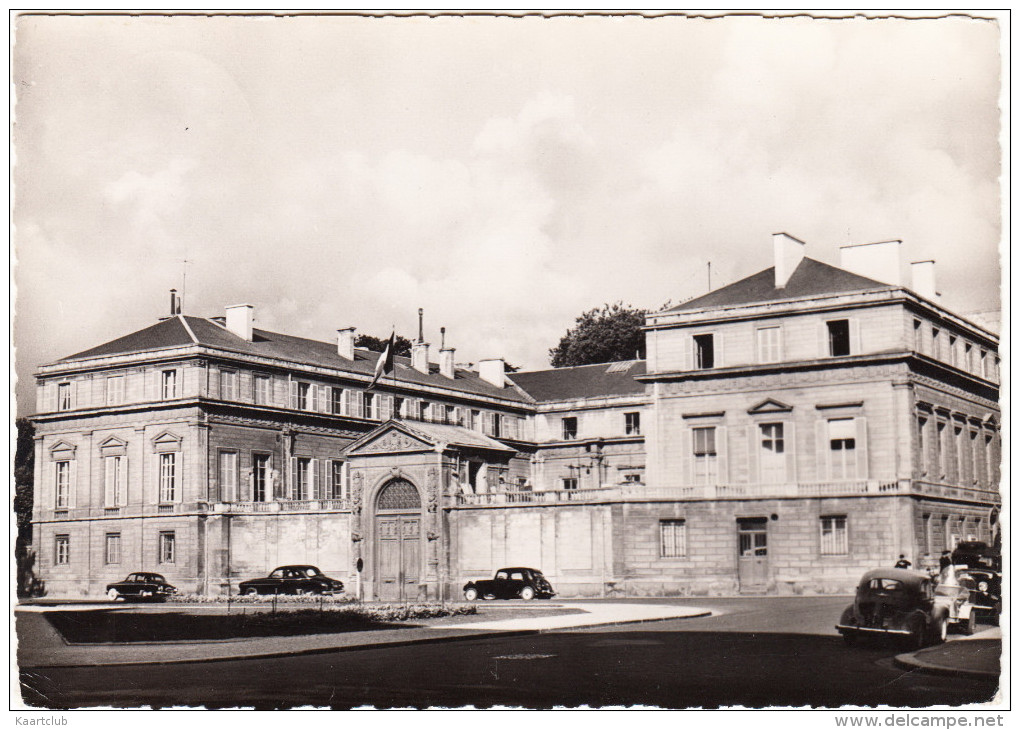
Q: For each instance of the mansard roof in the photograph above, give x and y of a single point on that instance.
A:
(810, 278)
(185, 330)
(582, 381)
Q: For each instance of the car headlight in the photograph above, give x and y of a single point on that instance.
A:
(983, 586)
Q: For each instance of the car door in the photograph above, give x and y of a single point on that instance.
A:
(500, 584)
(515, 584)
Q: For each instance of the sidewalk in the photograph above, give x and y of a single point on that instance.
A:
(971, 656)
(40, 645)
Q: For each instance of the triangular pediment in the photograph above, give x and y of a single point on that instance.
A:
(112, 443)
(771, 405)
(389, 438)
(63, 447)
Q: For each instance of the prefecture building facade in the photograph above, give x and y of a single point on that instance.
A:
(785, 433)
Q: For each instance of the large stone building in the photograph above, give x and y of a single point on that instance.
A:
(786, 433)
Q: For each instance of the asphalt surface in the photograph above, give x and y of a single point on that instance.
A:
(759, 652)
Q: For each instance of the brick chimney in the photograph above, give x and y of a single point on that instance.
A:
(880, 261)
(446, 366)
(239, 320)
(788, 252)
(922, 279)
(345, 342)
(420, 357)
(493, 371)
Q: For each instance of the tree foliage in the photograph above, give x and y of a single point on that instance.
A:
(604, 334)
(24, 487)
(401, 345)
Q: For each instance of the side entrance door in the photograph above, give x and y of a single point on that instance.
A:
(753, 553)
(399, 556)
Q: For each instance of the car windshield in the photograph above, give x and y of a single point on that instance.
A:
(501, 575)
(885, 585)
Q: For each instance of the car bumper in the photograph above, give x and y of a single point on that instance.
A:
(845, 628)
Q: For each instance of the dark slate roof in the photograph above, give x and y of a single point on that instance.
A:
(167, 333)
(810, 278)
(583, 381)
(453, 435)
(208, 332)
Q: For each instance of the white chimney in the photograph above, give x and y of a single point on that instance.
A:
(345, 342)
(420, 357)
(880, 261)
(446, 366)
(922, 279)
(788, 252)
(239, 320)
(493, 371)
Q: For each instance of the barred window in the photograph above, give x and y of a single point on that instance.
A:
(112, 548)
(672, 538)
(62, 549)
(167, 547)
(834, 535)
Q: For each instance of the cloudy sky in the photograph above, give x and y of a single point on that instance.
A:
(504, 174)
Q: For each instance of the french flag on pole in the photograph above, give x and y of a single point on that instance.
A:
(385, 363)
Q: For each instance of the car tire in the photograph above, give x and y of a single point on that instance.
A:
(527, 593)
(251, 591)
(299, 591)
(941, 630)
(112, 594)
(969, 626)
(470, 594)
(918, 634)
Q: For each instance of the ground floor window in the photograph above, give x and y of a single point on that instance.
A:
(260, 477)
(62, 550)
(672, 538)
(167, 547)
(569, 483)
(112, 548)
(336, 480)
(706, 459)
(834, 535)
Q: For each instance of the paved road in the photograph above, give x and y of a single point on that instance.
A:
(759, 652)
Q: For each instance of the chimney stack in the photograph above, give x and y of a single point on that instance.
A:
(345, 342)
(446, 362)
(880, 261)
(239, 320)
(493, 371)
(922, 279)
(420, 357)
(175, 305)
(788, 253)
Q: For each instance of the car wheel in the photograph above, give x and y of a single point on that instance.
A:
(299, 591)
(489, 597)
(941, 630)
(470, 594)
(917, 633)
(112, 594)
(527, 593)
(251, 591)
(969, 626)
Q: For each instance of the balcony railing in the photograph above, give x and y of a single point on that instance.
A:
(289, 505)
(643, 493)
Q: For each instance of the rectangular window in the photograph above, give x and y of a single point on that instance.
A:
(398, 407)
(228, 476)
(940, 449)
(769, 344)
(368, 401)
(263, 390)
(952, 351)
(62, 487)
(228, 385)
(918, 337)
(303, 476)
(64, 397)
(704, 352)
(568, 483)
(497, 425)
(772, 457)
(834, 535)
(989, 462)
(62, 550)
(842, 449)
(839, 337)
(982, 364)
(632, 424)
(112, 548)
(450, 416)
(336, 400)
(569, 428)
(304, 396)
(168, 477)
(261, 486)
(936, 343)
(961, 452)
(476, 420)
(672, 538)
(113, 475)
(168, 388)
(968, 356)
(167, 547)
(336, 480)
(706, 459)
(423, 411)
(114, 390)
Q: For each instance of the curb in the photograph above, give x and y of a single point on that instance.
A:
(356, 647)
(912, 662)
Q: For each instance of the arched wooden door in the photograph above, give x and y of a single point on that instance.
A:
(398, 541)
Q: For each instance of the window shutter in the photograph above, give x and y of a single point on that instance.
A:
(861, 447)
(855, 336)
(314, 488)
(72, 482)
(246, 486)
(822, 456)
(123, 463)
(324, 398)
(687, 453)
(790, 439)
(49, 397)
(385, 407)
(293, 394)
(109, 477)
(688, 353)
(74, 394)
(458, 416)
(292, 487)
(179, 477)
(753, 454)
(722, 451)
(312, 402)
(720, 356)
(823, 340)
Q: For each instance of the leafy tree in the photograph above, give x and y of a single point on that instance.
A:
(606, 334)
(401, 345)
(24, 485)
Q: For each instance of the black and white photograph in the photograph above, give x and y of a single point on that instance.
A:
(509, 361)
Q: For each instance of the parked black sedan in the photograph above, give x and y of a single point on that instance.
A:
(293, 580)
(141, 586)
(526, 583)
